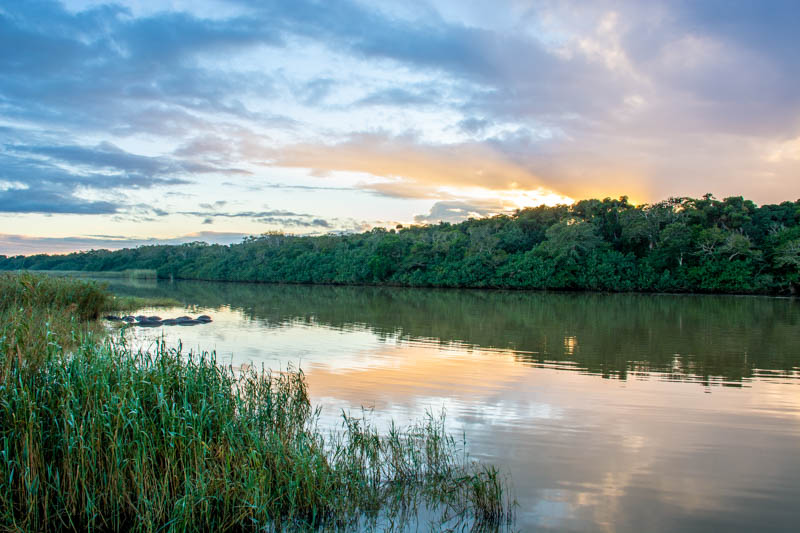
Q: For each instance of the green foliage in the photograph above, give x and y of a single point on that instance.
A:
(83, 299)
(680, 244)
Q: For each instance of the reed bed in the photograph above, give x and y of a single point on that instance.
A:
(82, 299)
(96, 436)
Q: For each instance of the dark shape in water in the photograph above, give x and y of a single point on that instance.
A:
(189, 322)
(140, 317)
(128, 319)
(154, 319)
(112, 317)
(169, 322)
(204, 318)
(149, 324)
(182, 318)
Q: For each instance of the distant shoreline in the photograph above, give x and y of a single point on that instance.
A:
(680, 245)
(113, 275)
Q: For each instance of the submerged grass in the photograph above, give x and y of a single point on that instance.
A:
(96, 436)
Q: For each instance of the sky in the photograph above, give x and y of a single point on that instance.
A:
(171, 121)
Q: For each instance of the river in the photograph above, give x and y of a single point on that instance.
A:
(617, 412)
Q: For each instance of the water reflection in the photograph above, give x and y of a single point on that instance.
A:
(708, 338)
(520, 375)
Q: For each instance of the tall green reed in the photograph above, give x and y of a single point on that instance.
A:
(97, 436)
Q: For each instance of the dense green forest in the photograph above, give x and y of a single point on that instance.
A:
(677, 245)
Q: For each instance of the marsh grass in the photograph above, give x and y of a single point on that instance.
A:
(97, 436)
(41, 316)
(82, 299)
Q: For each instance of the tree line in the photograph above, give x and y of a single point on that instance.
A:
(676, 245)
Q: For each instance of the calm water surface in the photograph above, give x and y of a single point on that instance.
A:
(611, 412)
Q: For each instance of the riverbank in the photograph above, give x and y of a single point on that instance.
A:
(96, 436)
(683, 245)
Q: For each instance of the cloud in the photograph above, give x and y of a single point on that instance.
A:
(604, 98)
(107, 156)
(315, 92)
(98, 66)
(243, 214)
(398, 96)
(458, 211)
(413, 168)
(11, 244)
(53, 201)
(55, 178)
(474, 126)
(294, 222)
(408, 158)
(304, 187)
(274, 217)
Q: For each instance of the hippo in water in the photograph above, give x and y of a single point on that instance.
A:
(149, 324)
(112, 317)
(189, 322)
(204, 318)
